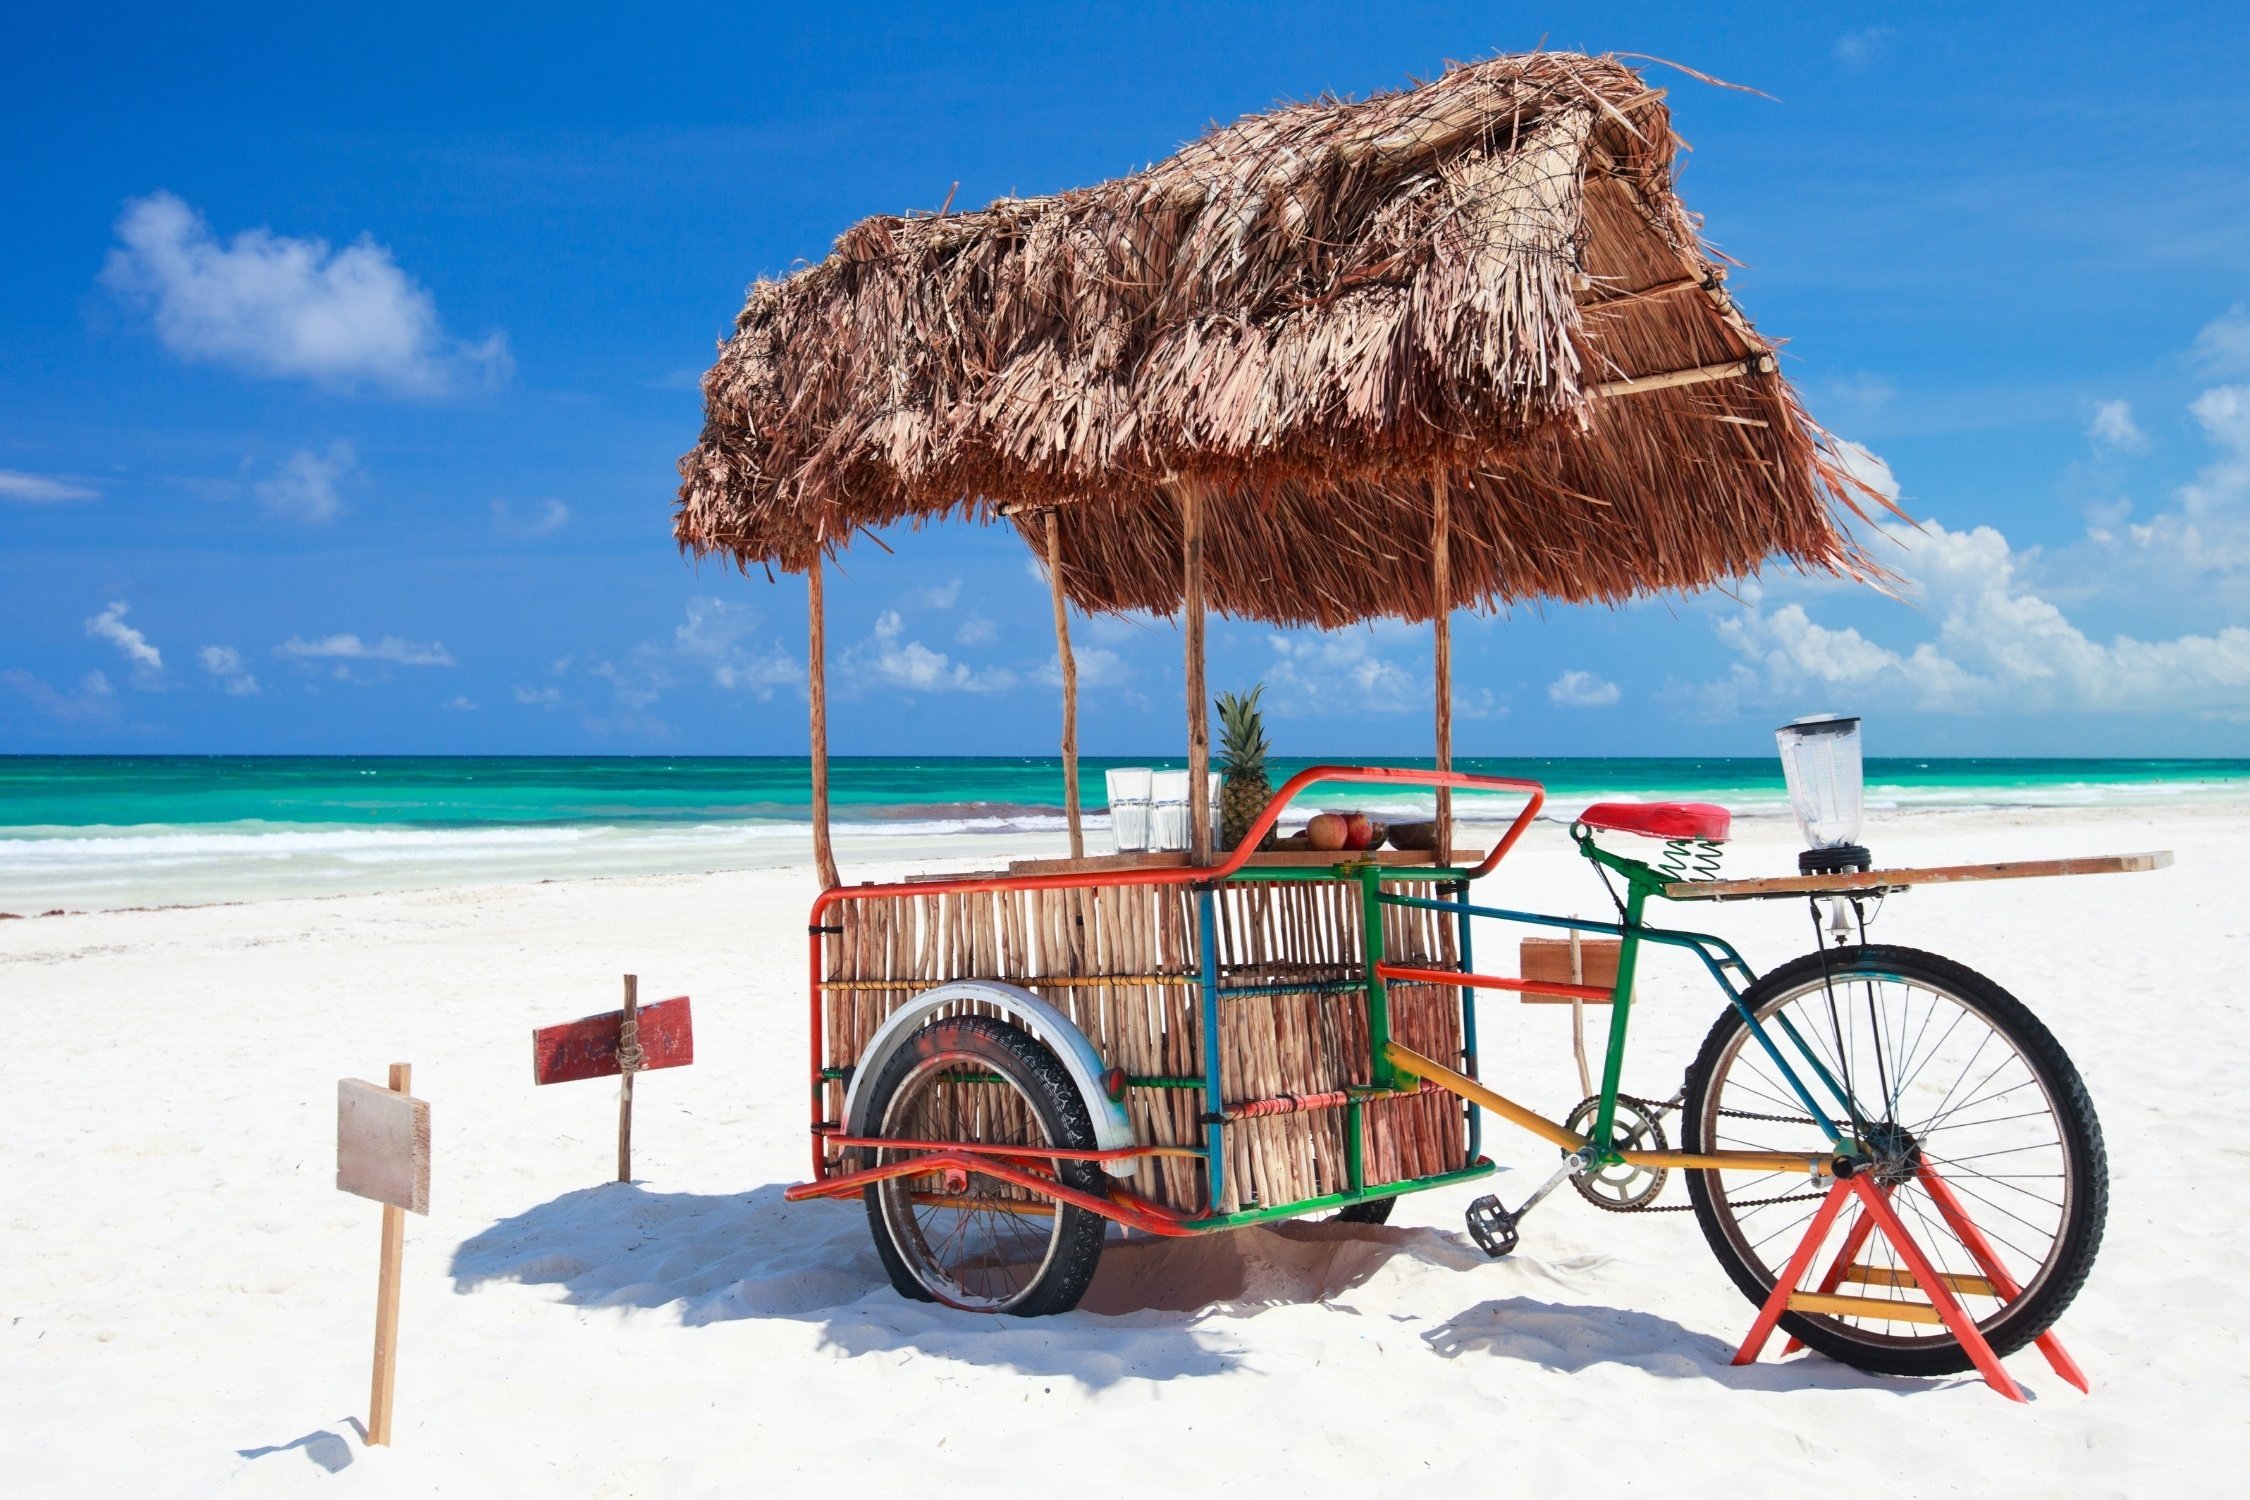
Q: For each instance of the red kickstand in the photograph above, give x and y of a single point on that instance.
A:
(1855, 1239)
(1875, 1208)
(1980, 1250)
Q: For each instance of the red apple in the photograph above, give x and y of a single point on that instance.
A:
(1359, 831)
(1327, 831)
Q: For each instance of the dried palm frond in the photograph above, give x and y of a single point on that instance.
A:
(1310, 316)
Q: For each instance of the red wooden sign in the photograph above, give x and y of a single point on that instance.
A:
(588, 1048)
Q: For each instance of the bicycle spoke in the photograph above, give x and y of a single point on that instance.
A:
(1949, 1082)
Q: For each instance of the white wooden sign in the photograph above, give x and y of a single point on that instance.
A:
(383, 1144)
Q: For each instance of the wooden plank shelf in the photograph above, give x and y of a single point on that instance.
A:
(1869, 882)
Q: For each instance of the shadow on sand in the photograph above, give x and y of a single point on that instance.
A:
(1158, 1309)
(327, 1448)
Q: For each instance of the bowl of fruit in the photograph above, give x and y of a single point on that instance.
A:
(1350, 831)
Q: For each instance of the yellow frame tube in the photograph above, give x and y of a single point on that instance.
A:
(1413, 1064)
(1735, 1161)
(1974, 1286)
(1864, 1307)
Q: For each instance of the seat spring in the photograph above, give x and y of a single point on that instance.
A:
(1690, 859)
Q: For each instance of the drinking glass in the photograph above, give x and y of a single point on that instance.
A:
(1129, 808)
(1169, 813)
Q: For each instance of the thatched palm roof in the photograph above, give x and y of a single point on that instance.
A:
(1312, 316)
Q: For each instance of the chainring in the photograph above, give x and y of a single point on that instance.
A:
(1621, 1188)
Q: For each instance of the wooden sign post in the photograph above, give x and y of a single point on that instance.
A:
(383, 1153)
(629, 1061)
(623, 1042)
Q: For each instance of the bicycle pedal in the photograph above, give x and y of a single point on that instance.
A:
(1492, 1226)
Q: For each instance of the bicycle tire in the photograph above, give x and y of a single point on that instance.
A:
(1041, 1107)
(2060, 1272)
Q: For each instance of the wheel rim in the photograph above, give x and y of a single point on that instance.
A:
(1938, 1085)
(976, 1243)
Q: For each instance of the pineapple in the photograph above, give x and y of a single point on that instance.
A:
(1242, 757)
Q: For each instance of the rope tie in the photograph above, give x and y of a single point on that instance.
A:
(630, 1057)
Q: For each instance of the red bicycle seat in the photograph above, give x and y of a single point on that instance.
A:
(1662, 820)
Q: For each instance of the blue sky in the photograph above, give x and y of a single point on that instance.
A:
(344, 362)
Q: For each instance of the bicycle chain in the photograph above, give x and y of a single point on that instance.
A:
(1658, 1111)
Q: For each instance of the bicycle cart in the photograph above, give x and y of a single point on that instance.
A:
(1456, 346)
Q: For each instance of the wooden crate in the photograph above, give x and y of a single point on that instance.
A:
(1549, 960)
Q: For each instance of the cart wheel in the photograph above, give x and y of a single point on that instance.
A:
(962, 1238)
(1950, 1073)
(1373, 1211)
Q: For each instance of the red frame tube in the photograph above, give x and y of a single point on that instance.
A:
(1176, 875)
(1136, 1213)
(1030, 1153)
(1449, 978)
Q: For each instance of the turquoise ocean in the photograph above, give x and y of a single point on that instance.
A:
(81, 832)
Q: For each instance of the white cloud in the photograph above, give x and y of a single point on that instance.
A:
(2201, 550)
(1863, 389)
(110, 626)
(886, 659)
(1999, 647)
(716, 633)
(637, 684)
(1098, 667)
(1338, 672)
(2224, 412)
(976, 630)
(306, 486)
(93, 701)
(348, 647)
(1577, 689)
(936, 596)
(275, 305)
(1868, 468)
(460, 703)
(225, 663)
(1860, 49)
(38, 489)
(2223, 347)
(544, 519)
(1132, 627)
(2113, 427)
(546, 697)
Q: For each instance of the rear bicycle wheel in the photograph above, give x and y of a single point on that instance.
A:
(1952, 1078)
(960, 1237)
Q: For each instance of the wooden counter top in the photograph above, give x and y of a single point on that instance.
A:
(1865, 881)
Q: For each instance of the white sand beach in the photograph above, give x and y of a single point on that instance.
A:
(187, 1298)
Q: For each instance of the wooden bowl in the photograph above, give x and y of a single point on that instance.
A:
(1415, 836)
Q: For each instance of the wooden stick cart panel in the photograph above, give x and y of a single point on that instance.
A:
(1127, 964)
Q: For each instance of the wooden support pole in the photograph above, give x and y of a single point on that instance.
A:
(628, 1063)
(1199, 712)
(386, 1300)
(816, 688)
(1069, 665)
(1441, 615)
